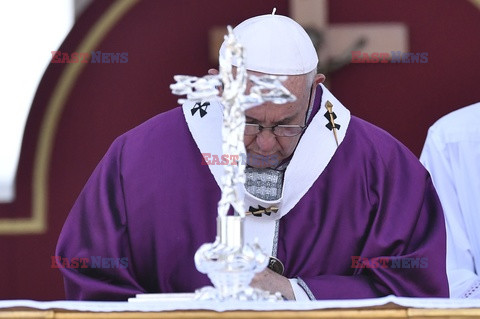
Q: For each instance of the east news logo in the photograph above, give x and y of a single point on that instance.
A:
(389, 57)
(389, 262)
(90, 57)
(86, 262)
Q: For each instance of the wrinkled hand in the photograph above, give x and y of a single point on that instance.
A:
(271, 281)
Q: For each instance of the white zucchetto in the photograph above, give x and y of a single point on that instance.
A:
(275, 44)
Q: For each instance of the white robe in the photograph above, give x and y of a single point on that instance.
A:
(452, 156)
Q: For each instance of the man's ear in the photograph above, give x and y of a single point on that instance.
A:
(319, 78)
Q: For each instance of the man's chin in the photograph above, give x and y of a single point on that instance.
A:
(261, 161)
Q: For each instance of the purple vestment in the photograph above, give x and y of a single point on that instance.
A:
(151, 202)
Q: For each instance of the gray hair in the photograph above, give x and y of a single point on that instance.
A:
(310, 79)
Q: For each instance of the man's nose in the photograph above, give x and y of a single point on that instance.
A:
(266, 141)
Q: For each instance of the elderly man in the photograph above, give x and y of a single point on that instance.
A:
(346, 209)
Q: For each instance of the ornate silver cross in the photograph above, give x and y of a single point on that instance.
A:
(229, 263)
(266, 88)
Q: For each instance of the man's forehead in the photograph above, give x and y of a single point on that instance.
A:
(272, 112)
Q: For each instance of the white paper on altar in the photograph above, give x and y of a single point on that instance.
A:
(169, 304)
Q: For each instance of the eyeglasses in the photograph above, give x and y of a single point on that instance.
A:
(277, 130)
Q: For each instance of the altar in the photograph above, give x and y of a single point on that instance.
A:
(385, 307)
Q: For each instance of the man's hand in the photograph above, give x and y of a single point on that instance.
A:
(271, 281)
